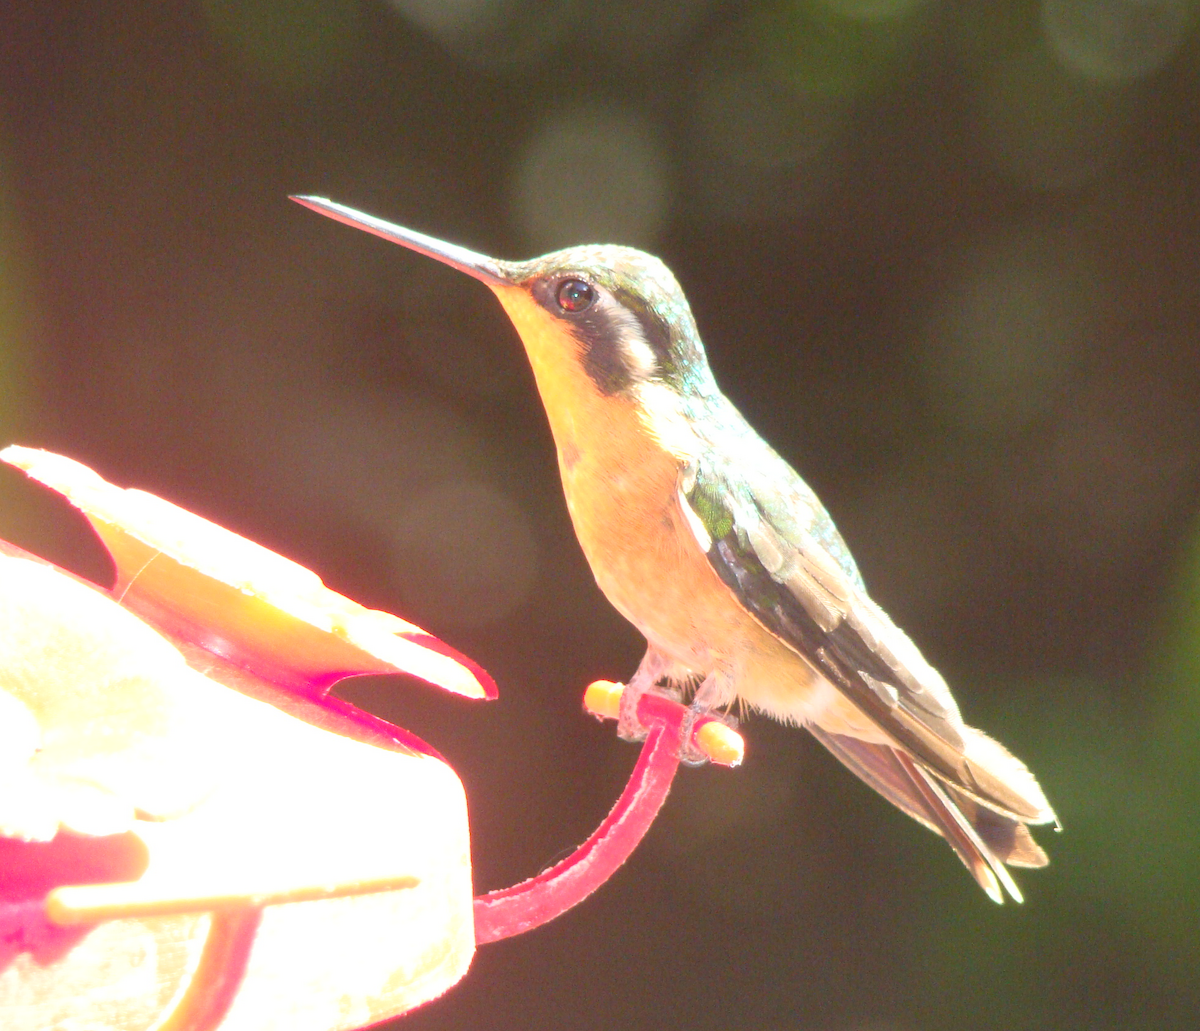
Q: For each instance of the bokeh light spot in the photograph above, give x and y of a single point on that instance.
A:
(373, 454)
(761, 150)
(821, 50)
(873, 10)
(1010, 332)
(1177, 708)
(1114, 467)
(1116, 39)
(446, 19)
(465, 554)
(640, 28)
(716, 816)
(982, 30)
(592, 175)
(1049, 129)
(499, 35)
(910, 528)
(293, 44)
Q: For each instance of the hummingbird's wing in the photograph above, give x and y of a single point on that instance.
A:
(772, 543)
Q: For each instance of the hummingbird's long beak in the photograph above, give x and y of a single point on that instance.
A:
(483, 268)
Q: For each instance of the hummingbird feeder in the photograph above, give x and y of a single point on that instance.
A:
(195, 834)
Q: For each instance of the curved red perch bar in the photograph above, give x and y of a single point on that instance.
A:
(509, 911)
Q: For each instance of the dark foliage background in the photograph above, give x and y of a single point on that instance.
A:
(943, 254)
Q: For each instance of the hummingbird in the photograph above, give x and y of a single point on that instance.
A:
(716, 550)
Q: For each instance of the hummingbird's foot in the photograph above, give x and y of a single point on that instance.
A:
(652, 667)
(690, 752)
(705, 705)
(698, 732)
(629, 726)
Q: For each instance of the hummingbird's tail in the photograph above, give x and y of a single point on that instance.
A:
(985, 840)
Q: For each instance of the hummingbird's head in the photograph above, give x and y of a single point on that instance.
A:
(615, 313)
(618, 311)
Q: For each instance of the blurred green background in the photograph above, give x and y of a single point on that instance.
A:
(944, 255)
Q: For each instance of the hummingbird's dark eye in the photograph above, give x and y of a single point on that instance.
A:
(574, 295)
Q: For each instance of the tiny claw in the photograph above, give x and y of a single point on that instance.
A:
(707, 735)
(690, 752)
(629, 725)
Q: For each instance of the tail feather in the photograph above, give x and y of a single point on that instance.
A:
(987, 869)
(1008, 839)
(984, 839)
(984, 758)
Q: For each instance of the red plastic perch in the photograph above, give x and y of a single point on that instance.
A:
(524, 906)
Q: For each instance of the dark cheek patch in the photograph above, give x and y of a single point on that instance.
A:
(599, 331)
(603, 358)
